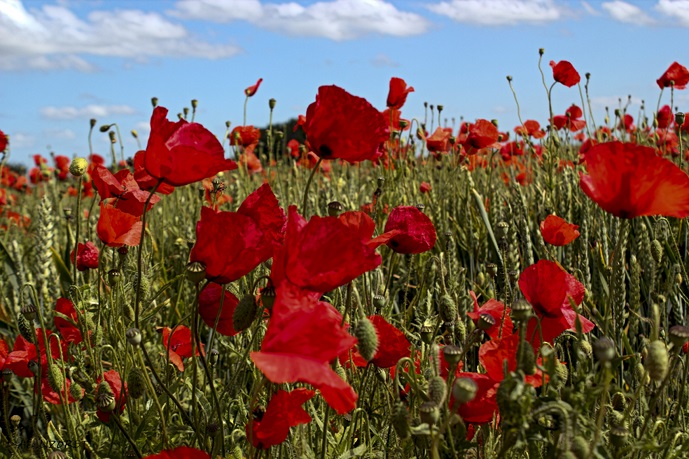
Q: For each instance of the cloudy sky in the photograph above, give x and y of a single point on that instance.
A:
(63, 62)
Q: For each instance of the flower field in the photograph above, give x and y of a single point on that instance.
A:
(387, 288)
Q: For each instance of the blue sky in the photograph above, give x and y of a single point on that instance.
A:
(63, 62)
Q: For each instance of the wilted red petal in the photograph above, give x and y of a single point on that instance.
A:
(675, 73)
(630, 180)
(251, 90)
(283, 411)
(416, 231)
(557, 231)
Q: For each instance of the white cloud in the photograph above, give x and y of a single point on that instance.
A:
(626, 12)
(337, 19)
(679, 9)
(61, 134)
(382, 60)
(87, 112)
(53, 37)
(21, 140)
(499, 12)
(613, 102)
(589, 9)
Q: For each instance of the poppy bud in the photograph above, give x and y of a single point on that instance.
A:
(619, 401)
(403, 124)
(335, 208)
(111, 134)
(429, 413)
(213, 357)
(76, 391)
(29, 311)
(447, 309)
(464, 390)
(92, 122)
(437, 390)
(144, 286)
(133, 336)
(196, 271)
(26, 328)
(194, 103)
(400, 420)
(541, 51)
(55, 378)
(78, 167)
(585, 348)
(562, 373)
(136, 383)
(271, 103)
(154, 102)
(527, 360)
(339, 369)
(378, 302)
(604, 349)
(366, 334)
(657, 361)
(105, 128)
(7, 374)
(679, 118)
(244, 313)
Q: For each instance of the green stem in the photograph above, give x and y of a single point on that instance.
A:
(308, 184)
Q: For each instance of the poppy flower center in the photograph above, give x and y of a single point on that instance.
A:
(325, 151)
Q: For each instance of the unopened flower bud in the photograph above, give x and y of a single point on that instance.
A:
(437, 390)
(133, 336)
(657, 360)
(447, 309)
(55, 378)
(400, 420)
(136, 383)
(78, 167)
(105, 128)
(365, 333)
(244, 313)
(268, 297)
(154, 102)
(271, 103)
(76, 391)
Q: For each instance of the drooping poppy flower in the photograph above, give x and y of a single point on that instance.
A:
(284, 410)
(497, 310)
(251, 90)
(482, 134)
(340, 125)
(69, 331)
(232, 244)
(397, 95)
(558, 231)
(4, 141)
(246, 137)
(630, 180)
(181, 452)
(178, 344)
(416, 230)
(209, 305)
(393, 345)
(565, 73)
(116, 228)
(87, 256)
(664, 117)
(675, 73)
(549, 289)
(119, 392)
(323, 253)
(530, 128)
(182, 153)
(425, 187)
(304, 335)
(484, 406)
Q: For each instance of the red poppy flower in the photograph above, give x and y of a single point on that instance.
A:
(484, 406)
(87, 256)
(39, 160)
(3, 141)
(394, 117)
(549, 289)
(23, 352)
(293, 148)
(181, 452)
(182, 153)
(340, 125)
(664, 117)
(303, 336)
(571, 119)
(495, 309)
(50, 396)
(425, 187)
(232, 244)
(251, 162)
(246, 137)
(557, 231)
(416, 230)
(393, 345)
(116, 228)
(398, 93)
(482, 134)
(178, 344)
(675, 73)
(68, 329)
(62, 166)
(144, 179)
(439, 141)
(530, 128)
(4, 351)
(323, 253)
(494, 353)
(284, 410)
(565, 73)
(209, 305)
(630, 180)
(251, 90)
(119, 391)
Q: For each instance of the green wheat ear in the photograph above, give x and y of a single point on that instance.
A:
(45, 238)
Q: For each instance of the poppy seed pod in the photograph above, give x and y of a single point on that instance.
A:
(76, 391)
(335, 208)
(429, 413)
(485, 321)
(521, 310)
(196, 271)
(464, 390)
(26, 328)
(679, 334)
(366, 334)
(426, 333)
(657, 361)
(268, 297)
(29, 311)
(105, 401)
(245, 313)
(134, 336)
(78, 167)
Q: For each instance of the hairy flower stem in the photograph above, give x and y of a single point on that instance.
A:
(77, 218)
(308, 184)
(116, 418)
